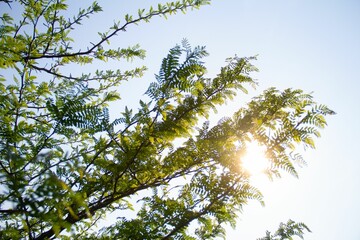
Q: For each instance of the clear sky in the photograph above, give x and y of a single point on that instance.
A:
(312, 45)
(307, 44)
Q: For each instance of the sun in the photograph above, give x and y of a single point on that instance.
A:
(254, 161)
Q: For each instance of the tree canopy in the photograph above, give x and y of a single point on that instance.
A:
(287, 231)
(65, 163)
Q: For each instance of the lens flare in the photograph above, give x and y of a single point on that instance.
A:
(254, 160)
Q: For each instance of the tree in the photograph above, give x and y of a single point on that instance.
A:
(65, 163)
(286, 231)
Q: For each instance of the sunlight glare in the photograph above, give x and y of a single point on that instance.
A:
(254, 160)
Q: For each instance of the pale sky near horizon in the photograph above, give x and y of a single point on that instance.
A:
(306, 44)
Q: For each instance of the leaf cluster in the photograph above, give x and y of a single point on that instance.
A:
(287, 231)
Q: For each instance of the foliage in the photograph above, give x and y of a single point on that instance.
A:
(287, 231)
(65, 163)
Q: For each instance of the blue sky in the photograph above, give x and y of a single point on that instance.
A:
(312, 45)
